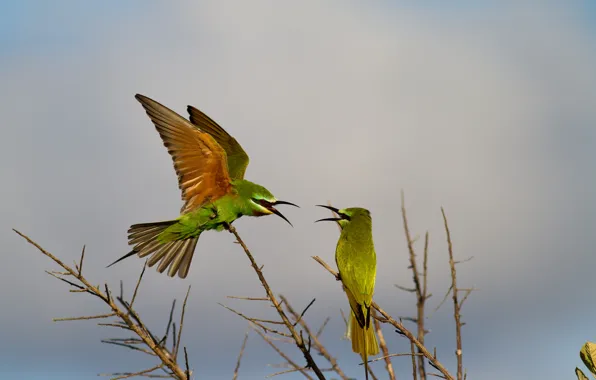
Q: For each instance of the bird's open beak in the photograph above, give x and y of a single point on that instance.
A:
(270, 207)
(330, 219)
(284, 203)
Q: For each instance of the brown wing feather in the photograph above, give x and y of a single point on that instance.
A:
(200, 162)
(237, 157)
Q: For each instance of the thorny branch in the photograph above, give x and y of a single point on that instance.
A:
(456, 303)
(315, 340)
(298, 339)
(127, 319)
(420, 286)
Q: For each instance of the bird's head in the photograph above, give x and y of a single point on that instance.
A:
(347, 215)
(261, 200)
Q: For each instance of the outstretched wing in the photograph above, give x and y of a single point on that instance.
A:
(237, 157)
(199, 161)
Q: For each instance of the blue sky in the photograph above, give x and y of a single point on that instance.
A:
(486, 109)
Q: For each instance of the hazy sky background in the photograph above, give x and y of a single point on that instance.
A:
(485, 108)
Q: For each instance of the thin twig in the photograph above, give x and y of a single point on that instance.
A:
(258, 322)
(371, 373)
(249, 298)
(294, 370)
(181, 322)
(413, 353)
(420, 287)
(299, 319)
(187, 371)
(84, 318)
(129, 375)
(170, 319)
(320, 330)
(80, 266)
(456, 305)
(384, 348)
(385, 357)
(302, 370)
(315, 340)
(240, 356)
(129, 346)
(134, 295)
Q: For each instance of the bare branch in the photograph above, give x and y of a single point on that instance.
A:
(310, 363)
(80, 266)
(249, 298)
(385, 357)
(129, 319)
(420, 287)
(456, 305)
(295, 366)
(405, 289)
(181, 322)
(240, 356)
(299, 319)
(444, 299)
(320, 331)
(315, 340)
(134, 295)
(413, 353)
(383, 344)
(84, 318)
(464, 260)
(187, 371)
(128, 375)
(258, 322)
(293, 370)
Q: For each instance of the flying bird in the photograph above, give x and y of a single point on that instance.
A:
(357, 264)
(210, 165)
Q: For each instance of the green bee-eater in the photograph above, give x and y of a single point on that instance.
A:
(357, 264)
(210, 165)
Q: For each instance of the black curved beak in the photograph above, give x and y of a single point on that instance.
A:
(273, 210)
(284, 203)
(329, 208)
(335, 210)
(329, 220)
(270, 207)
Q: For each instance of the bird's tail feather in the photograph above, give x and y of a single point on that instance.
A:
(364, 340)
(175, 254)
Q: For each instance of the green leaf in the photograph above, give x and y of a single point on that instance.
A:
(580, 375)
(588, 356)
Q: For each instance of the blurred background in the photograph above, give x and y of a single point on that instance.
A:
(485, 108)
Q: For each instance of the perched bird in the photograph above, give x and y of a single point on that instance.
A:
(357, 264)
(210, 165)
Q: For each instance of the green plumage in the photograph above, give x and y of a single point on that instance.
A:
(357, 261)
(210, 165)
(215, 215)
(357, 264)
